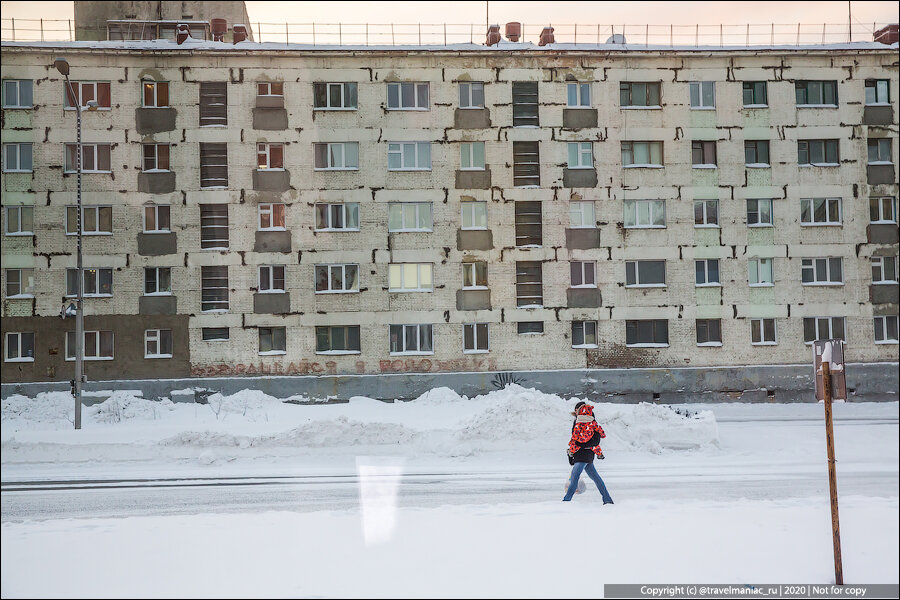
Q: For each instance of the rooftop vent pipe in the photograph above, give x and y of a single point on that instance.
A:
(240, 33)
(547, 37)
(493, 35)
(513, 31)
(219, 28)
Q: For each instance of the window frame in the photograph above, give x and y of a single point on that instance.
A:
(879, 144)
(526, 170)
(87, 209)
(19, 336)
(275, 212)
(94, 148)
(474, 208)
(758, 212)
(470, 87)
(752, 87)
(401, 268)
(156, 281)
(628, 86)
(417, 85)
(826, 144)
(577, 207)
(754, 146)
(7, 146)
(155, 86)
(477, 338)
(709, 331)
(524, 325)
(704, 147)
(892, 204)
(655, 325)
(98, 335)
(330, 268)
(156, 218)
(580, 150)
(155, 157)
(398, 149)
(265, 149)
(213, 161)
(208, 275)
(269, 90)
(18, 104)
(207, 335)
(18, 221)
(810, 212)
(329, 215)
(470, 271)
(584, 267)
(214, 213)
(701, 98)
(632, 206)
(636, 272)
(831, 328)
(25, 282)
(525, 223)
(520, 109)
(881, 263)
(759, 261)
(706, 219)
(80, 86)
(471, 155)
(209, 110)
(403, 338)
(884, 319)
(271, 272)
(347, 95)
(99, 274)
(887, 92)
(763, 338)
(525, 271)
(329, 156)
(404, 213)
(277, 335)
(161, 340)
(812, 265)
(632, 145)
(802, 86)
(707, 282)
(328, 330)
(580, 87)
(584, 326)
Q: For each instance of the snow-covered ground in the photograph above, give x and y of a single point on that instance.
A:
(444, 496)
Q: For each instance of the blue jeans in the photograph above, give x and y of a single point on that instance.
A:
(593, 474)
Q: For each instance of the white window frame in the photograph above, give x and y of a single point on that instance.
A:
(758, 212)
(830, 328)
(156, 212)
(471, 210)
(485, 337)
(157, 336)
(637, 274)
(884, 319)
(417, 85)
(467, 95)
(757, 165)
(416, 211)
(16, 209)
(405, 351)
(342, 268)
(812, 264)
(97, 334)
(707, 282)
(831, 220)
(156, 279)
(265, 149)
(583, 153)
(704, 146)
(587, 266)
(585, 326)
(398, 149)
(634, 208)
(424, 271)
(95, 225)
(633, 144)
(577, 90)
(892, 204)
(705, 214)
(631, 95)
(268, 88)
(708, 344)
(762, 332)
(271, 211)
(886, 275)
(85, 148)
(821, 104)
(8, 147)
(347, 329)
(468, 154)
(701, 103)
(330, 215)
(26, 283)
(84, 274)
(809, 157)
(18, 335)
(882, 93)
(330, 156)
(155, 86)
(80, 86)
(754, 271)
(269, 270)
(582, 215)
(881, 158)
(154, 158)
(345, 95)
(272, 329)
(18, 85)
(470, 271)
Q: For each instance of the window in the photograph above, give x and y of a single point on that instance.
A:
(755, 94)
(337, 279)
(337, 156)
(156, 157)
(760, 272)
(272, 340)
(709, 332)
(271, 279)
(214, 288)
(17, 158)
(471, 94)
(581, 155)
(157, 281)
(156, 94)
(409, 156)
(156, 218)
(581, 215)
(525, 103)
(213, 104)
(584, 334)
(407, 96)
(530, 327)
(706, 213)
(639, 95)
(19, 220)
(816, 93)
(95, 220)
(409, 216)
(707, 272)
(338, 339)
(20, 345)
(214, 226)
(474, 214)
(19, 282)
(642, 154)
(762, 332)
(411, 339)
(883, 209)
(158, 343)
(529, 285)
(475, 338)
(94, 158)
(877, 91)
(410, 277)
(884, 269)
(213, 165)
(270, 88)
(98, 345)
(17, 93)
(820, 211)
(703, 154)
(822, 271)
(96, 282)
(526, 164)
(87, 91)
(337, 217)
(582, 274)
(818, 153)
(759, 212)
(823, 328)
(645, 273)
(886, 330)
(271, 217)
(651, 332)
(215, 334)
(475, 275)
(703, 95)
(335, 96)
(578, 95)
(528, 224)
(269, 156)
(645, 213)
(471, 156)
(756, 153)
(879, 151)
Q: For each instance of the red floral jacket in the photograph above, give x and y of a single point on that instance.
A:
(584, 429)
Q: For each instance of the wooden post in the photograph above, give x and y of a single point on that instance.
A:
(832, 476)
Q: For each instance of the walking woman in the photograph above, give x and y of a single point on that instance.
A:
(583, 448)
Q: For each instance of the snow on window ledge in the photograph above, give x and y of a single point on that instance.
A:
(709, 344)
(337, 352)
(647, 345)
(644, 166)
(756, 106)
(758, 165)
(26, 359)
(705, 166)
(157, 356)
(272, 353)
(581, 346)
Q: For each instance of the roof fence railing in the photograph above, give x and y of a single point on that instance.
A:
(428, 34)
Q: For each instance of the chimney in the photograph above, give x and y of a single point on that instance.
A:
(888, 35)
(493, 35)
(547, 37)
(219, 28)
(513, 31)
(240, 33)
(182, 33)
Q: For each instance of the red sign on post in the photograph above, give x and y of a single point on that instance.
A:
(838, 378)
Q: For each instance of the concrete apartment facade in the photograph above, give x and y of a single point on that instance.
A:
(574, 237)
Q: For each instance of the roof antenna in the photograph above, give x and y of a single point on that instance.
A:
(849, 22)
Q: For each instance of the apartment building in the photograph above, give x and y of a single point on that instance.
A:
(251, 209)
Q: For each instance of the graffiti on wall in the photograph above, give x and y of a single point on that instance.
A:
(307, 367)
